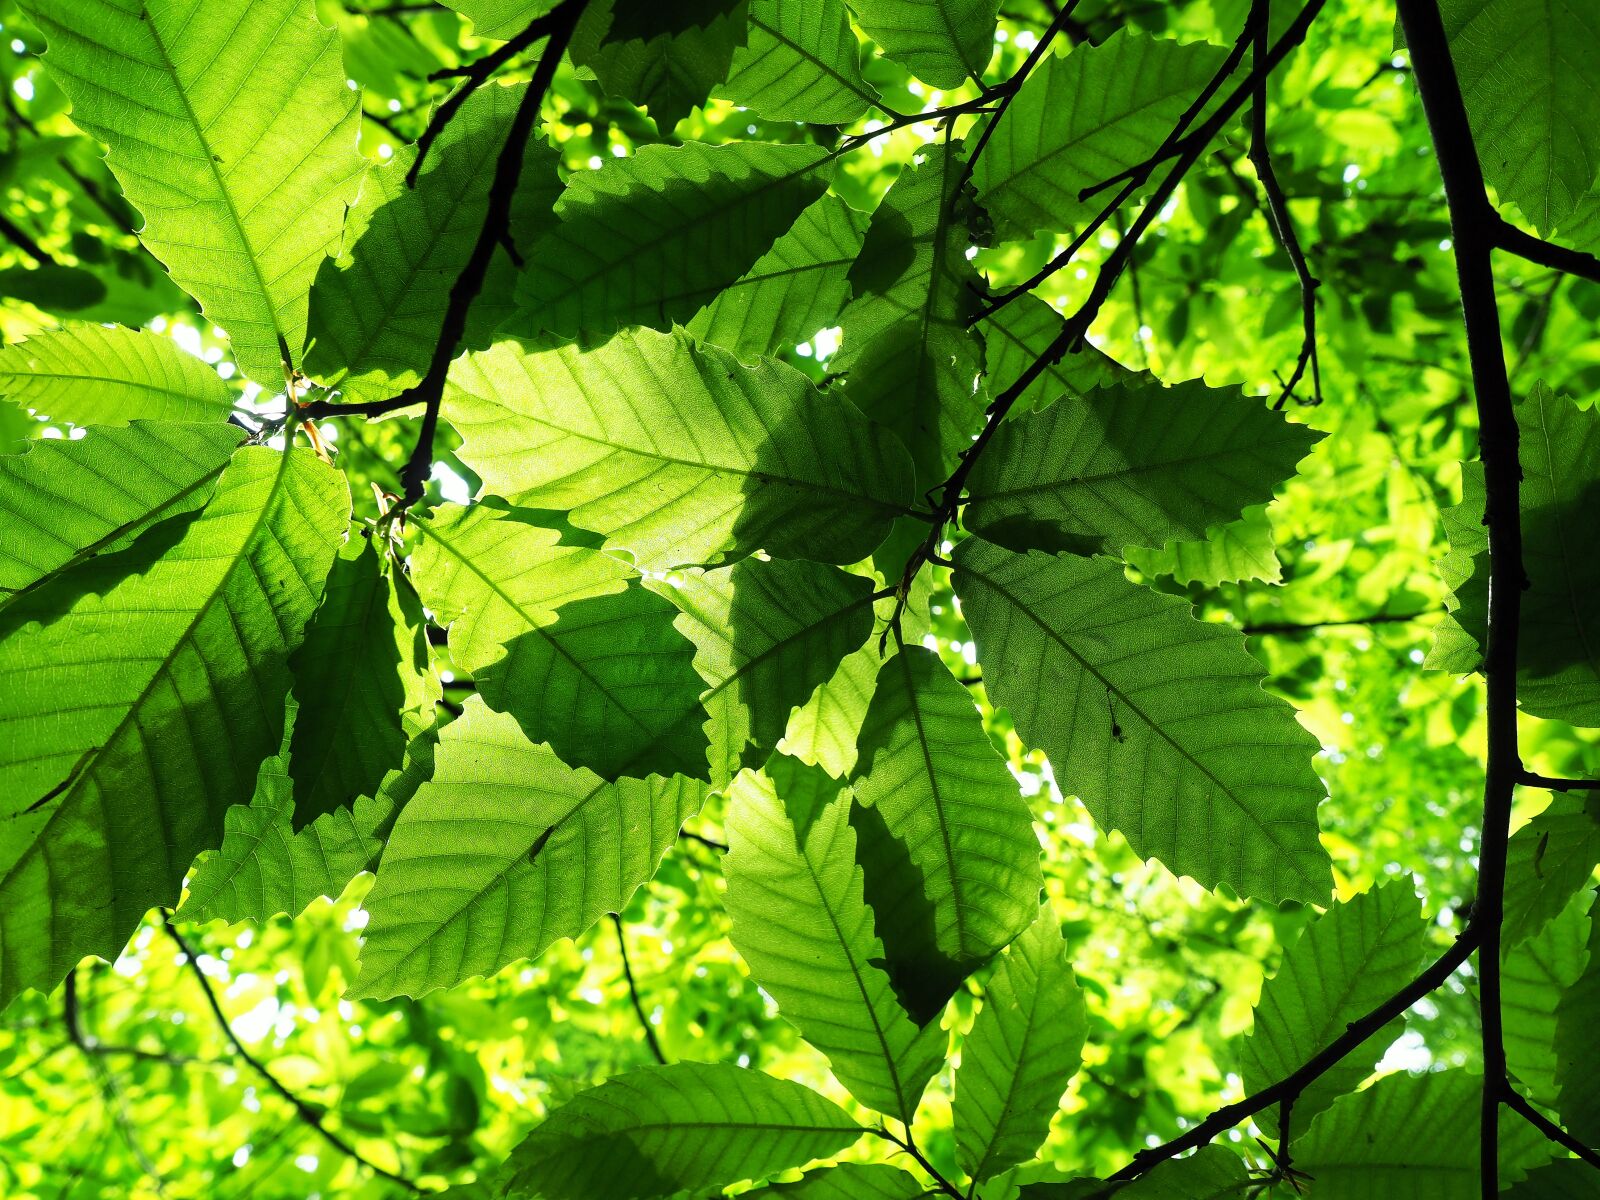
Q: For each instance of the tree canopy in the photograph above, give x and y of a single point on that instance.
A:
(800, 598)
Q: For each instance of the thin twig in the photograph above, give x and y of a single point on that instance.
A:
(22, 240)
(1282, 222)
(1473, 226)
(1529, 779)
(1509, 238)
(910, 1147)
(633, 993)
(1356, 1033)
(559, 24)
(1013, 86)
(709, 843)
(1518, 1103)
(303, 1110)
(1293, 627)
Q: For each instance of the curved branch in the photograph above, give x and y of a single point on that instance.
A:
(633, 993)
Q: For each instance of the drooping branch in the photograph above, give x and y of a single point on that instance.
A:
(1543, 253)
(1474, 225)
(1282, 222)
(1520, 1104)
(1529, 779)
(304, 1111)
(633, 993)
(1290, 628)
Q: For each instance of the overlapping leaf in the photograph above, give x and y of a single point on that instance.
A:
(1528, 74)
(823, 730)
(1236, 552)
(1559, 648)
(231, 129)
(678, 1128)
(62, 501)
(913, 362)
(99, 375)
(1211, 1173)
(118, 757)
(1024, 1048)
(1410, 1137)
(649, 239)
(360, 678)
(803, 928)
(264, 867)
(945, 838)
(766, 634)
(1156, 720)
(1018, 333)
(942, 42)
(1547, 861)
(1084, 118)
(558, 636)
(850, 1181)
(793, 290)
(1534, 978)
(503, 851)
(377, 311)
(1130, 464)
(1577, 1014)
(677, 452)
(801, 63)
(1347, 962)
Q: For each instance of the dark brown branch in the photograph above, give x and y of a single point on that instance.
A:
(1529, 779)
(633, 993)
(1290, 628)
(1072, 333)
(1474, 225)
(1013, 86)
(558, 25)
(1518, 1103)
(1292, 1086)
(1545, 254)
(1282, 222)
(1177, 142)
(303, 1110)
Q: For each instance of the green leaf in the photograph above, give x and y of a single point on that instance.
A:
(1238, 552)
(1534, 978)
(504, 851)
(766, 635)
(912, 362)
(1131, 465)
(1410, 1137)
(1156, 720)
(1559, 650)
(801, 63)
(941, 42)
(649, 239)
(501, 19)
(231, 129)
(558, 636)
(1020, 332)
(677, 1128)
(94, 375)
(1528, 72)
(668, 73)
(264, 867)
(823, 730)
(63, 501)
(678, 453)
(803, 928)
(1347, 962)
(360, 678)
(1024, 1048)
(1565, 1179)
(119, 757)
(1547, 861)
(377, 311)
(1082, 118)
(52, 287)
(1577, 1014)
(1210, 1173)
(850, 1181)
(946, 840)
(793, 290)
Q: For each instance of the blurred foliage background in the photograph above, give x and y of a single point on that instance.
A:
(129, 1087)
